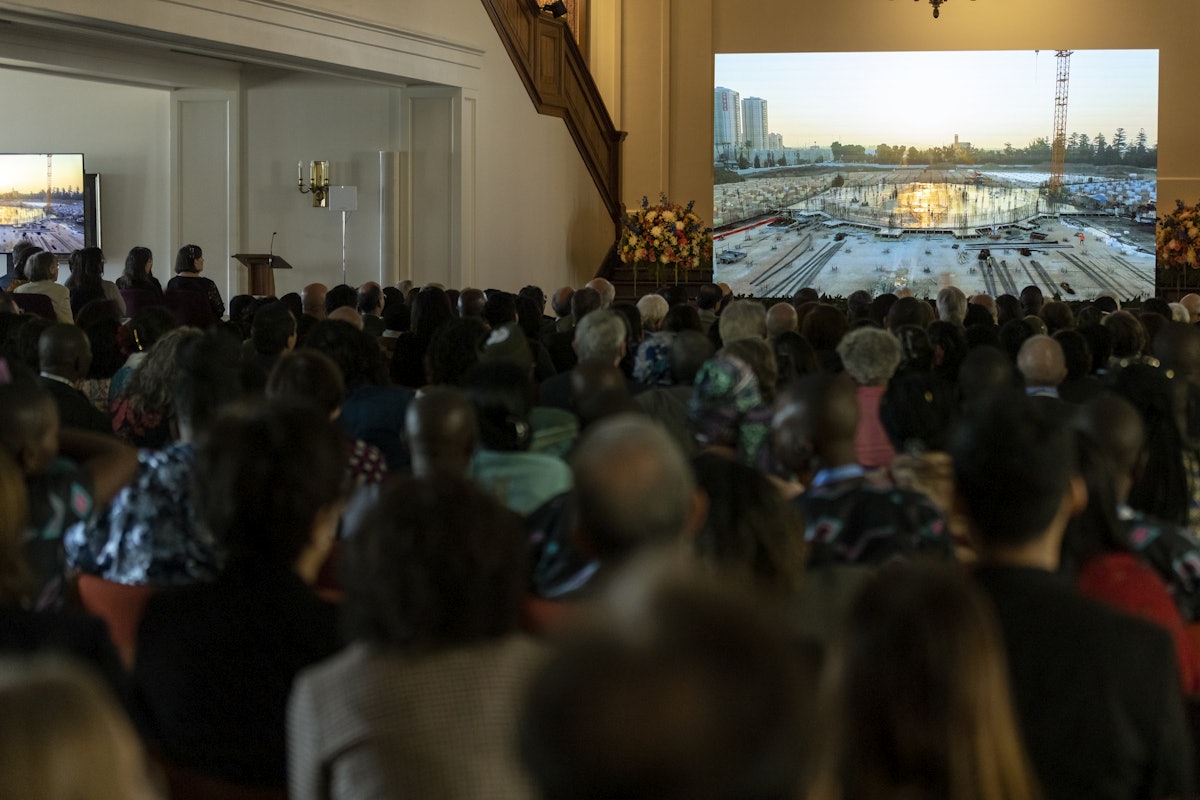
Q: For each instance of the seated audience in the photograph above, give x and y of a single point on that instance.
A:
(423, 702)
(1097, 694)
(216, 662)
(138, 272)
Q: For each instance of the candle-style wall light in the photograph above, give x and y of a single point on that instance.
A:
(318, 182)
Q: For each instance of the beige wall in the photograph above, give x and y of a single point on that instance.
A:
(700, 28)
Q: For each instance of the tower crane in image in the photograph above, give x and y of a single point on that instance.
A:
(1058, 147)
(49, 180)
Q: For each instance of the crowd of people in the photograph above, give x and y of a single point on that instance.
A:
(416, 541)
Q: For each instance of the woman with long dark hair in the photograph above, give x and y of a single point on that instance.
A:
(137, 275)
(87, 283)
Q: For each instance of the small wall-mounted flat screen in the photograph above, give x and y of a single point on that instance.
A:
(988, 170)
(42, 200)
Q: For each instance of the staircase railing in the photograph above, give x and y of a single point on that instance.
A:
(560, 84)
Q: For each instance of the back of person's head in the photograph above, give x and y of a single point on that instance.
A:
(502, 394)
(209, 379)
(500, 309)
(881, 306)
(186, 258)
(264, 474)
(64, 350)
(354, 351)
(21, 252)
(1107, 304)
(1013, 464)
(760, 357)
(605, 289)
(805, 295)
(916, 353)
(708, 296)
(782, 318)
(906, 311)
(87, 267)
(682, 318)
(600, 336)
(824, 326)
(1077, 354)
(137, 265)
(750, 529)
(984, 371)
(454, 349)
(437, 563)
(951, 305)
(858, 305)
(689, 350)
(1031, 300)
(1128, 335)
(63, 735)
(634, 487)
(369, 299)
(583, 302)
(307, 377)
(535, 294)
(272, 329)
(1012, 335)
(441, 429)
(340, 296)
(41, 266)
(28, 420)
(1058, 317)
(1161, 488)
(1008, 308)
(676, 295)
(599, 390)
(529, 316)
(560, 301)
(652, 308)
(1157, 305)
(742, 319)
(817, 415)
(916, 697)
(1041, 362)
(870, 355)
(596, 726)
(977, 315)
(430, 310)
(633, 321)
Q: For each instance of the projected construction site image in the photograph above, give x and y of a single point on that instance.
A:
(985, 231)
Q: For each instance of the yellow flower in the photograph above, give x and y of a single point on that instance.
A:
(656, 231)
(668, 216)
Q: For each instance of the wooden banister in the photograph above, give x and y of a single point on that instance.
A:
(560, 84)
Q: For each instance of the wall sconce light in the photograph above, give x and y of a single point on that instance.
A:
(318, 182)
(558, 8)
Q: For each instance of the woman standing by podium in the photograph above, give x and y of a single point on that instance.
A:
(189, 263)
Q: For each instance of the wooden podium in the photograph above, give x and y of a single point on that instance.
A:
(262, 281)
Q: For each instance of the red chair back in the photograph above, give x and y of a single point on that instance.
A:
(38, 304)
(120, 606)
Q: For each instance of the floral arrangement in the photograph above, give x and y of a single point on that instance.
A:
(1177, 239)
(665, 234)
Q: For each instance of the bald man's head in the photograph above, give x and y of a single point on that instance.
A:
(781, 318)
(606, 290)
(987, 302)
(1192, 303)
(442, 431)
(471, 302)
(1041, 362)
(312, 300)
(64, 350)
(561, 301)
(634, 487)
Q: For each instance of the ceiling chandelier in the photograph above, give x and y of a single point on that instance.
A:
(937, 4)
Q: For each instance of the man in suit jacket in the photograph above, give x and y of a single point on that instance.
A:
(1096, 692)
(64, 355)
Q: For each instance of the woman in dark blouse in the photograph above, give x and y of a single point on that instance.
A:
(189, 263)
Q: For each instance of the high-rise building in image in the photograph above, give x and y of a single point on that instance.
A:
(727, 123)
(754, 123)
